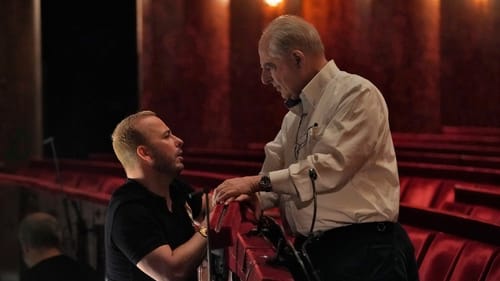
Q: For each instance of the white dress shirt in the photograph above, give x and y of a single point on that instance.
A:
(341, 131)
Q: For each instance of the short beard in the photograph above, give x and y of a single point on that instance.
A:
(161, 165)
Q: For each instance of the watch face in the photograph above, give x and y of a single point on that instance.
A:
(265, 183)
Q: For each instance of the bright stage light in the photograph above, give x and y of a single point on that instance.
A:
(272, 3)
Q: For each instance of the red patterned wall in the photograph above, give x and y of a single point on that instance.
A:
(436, 62)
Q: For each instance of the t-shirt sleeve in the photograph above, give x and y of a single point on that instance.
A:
(135, 232)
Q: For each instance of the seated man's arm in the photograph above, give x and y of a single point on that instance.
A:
(164, 264)
(143, 240)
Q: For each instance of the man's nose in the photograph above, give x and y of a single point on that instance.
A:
(265, 77)
(179, 142)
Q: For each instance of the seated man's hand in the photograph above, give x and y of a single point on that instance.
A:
(232, 188)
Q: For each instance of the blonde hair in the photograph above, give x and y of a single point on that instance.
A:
(126, 138)
(289, 32)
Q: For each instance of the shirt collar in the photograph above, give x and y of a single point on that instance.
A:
(313, 91)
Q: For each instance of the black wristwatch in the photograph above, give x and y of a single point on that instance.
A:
(265, 184)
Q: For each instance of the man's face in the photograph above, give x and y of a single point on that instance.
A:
(165, 148)
(27, 255)
(283, 73)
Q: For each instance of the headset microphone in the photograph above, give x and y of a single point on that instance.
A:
(312, 174)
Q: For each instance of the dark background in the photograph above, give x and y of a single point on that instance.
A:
(90, 82)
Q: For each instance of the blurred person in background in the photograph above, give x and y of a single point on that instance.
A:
(40, 237)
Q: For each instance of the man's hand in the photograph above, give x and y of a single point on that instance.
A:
(232, 188)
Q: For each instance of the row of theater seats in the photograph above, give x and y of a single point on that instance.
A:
(452, 247)
(454, 179)
(95, 177)
(102, 177)
(449, 209)
(471, 154)
(481, 201)
(105, 176)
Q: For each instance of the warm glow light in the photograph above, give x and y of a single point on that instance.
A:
(273, 3)
(482, 5)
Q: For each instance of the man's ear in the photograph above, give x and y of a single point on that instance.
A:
(143, 153)
(298, 57)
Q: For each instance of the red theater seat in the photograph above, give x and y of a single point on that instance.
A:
(420, 238)
(486, 213)
(457, 207)
(473, 261)
(426, 192)
(441, 257)
(444, 195)
(478, 194)
(403, 184)
(494, 272)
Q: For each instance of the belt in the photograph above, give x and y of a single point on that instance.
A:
(349, 230)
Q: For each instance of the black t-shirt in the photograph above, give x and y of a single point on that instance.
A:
(138, 221)
(60, 268)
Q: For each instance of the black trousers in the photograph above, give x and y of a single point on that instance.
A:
(380, 251)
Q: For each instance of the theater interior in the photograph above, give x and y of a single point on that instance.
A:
(69, 71)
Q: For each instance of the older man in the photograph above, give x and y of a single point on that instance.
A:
(331, 168)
